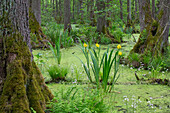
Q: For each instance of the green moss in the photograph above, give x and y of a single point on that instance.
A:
(24, 86)
(37, 30)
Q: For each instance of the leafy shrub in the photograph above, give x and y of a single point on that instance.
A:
(52, 31)
(104, 39)
(133, 57)
(118, 34)
(56, 50)
(66, 40)
(78, 100)
(57, 73)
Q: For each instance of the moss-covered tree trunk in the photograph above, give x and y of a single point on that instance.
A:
(22, 85)
(154, 37)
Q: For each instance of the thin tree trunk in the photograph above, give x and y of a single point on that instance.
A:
(121, 10)
(67, 15)
(141, 14)
(136, 9)
(60, 12)
(92, 16)
(129, 18)
(101, 28)
(153, 9)
(56, 4)
(73, 9)
(81, 12)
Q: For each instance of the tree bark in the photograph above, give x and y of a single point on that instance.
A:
(92, 16)
(67, 15)
(22, 85)
(101, 28)
(73, 9)
(141, 14)
(81, 12)
(129, 18)
(121, 10)
(153, 9)
(60, 12)
(36, 7)
(56, 4)
(136, 9)
(154, 37)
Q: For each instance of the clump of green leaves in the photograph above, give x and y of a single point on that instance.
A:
(57, 73)
(56, 50)
(78, 100)
(118, 35)
(106, 63)
(134, 57)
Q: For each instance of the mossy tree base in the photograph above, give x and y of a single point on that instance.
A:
(153, 40)
(22, 86)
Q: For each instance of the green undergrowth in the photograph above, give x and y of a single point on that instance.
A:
(129, 95)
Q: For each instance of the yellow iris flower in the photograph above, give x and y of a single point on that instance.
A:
(120, 53)
(97, 45)
(85, 45)
(119, 46)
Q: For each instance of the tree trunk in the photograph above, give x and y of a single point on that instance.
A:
(141, 14)
(129, 18)
(36, 7)
(22, 85)
(153, 9)
(56, 4)
(136, 10)
(73, 9)
(121, 10)
(81, 12)
(153, 39)
(101, 28)
(92, 16)
(108, 22)
(67, 15)
(60, 12)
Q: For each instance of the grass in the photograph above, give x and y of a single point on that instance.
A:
(155, 98)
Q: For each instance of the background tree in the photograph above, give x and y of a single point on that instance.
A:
(36, 7)
(22, 86)
(101, 28)
(67, 15)
(154, 36)
(129, 18)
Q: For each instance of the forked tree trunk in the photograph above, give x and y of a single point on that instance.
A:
(154, 37)
(22, 85)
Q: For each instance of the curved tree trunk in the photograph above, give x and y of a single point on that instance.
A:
(22, 86)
